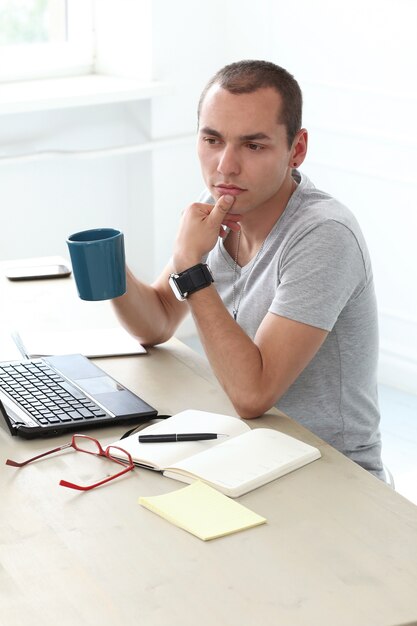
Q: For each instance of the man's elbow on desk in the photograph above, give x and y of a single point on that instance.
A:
(153, 337)
(250, 406)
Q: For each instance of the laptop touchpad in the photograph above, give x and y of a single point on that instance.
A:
(100, 384)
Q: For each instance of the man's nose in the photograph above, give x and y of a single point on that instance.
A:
(228, 163)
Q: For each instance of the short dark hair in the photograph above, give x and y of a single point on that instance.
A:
(249, 76)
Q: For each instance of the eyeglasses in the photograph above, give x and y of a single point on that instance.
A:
(83, 443)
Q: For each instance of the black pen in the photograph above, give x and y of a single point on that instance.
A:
(162, 438)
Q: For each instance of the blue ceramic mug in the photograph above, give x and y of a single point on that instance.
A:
(98, 263)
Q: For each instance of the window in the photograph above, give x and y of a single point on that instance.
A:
(32, 21)
(45, 38)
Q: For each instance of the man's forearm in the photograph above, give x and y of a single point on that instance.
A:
(144, 313)
(234, 357)
(254, 373)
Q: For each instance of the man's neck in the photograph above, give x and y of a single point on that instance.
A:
(257, 224)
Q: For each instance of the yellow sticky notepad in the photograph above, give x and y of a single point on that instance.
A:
(202, 511)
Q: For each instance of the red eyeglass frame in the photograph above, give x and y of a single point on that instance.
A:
(100, 452)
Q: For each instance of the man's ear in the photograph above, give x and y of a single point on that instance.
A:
(299, 148)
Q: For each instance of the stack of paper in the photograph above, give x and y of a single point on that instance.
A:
(91, 342)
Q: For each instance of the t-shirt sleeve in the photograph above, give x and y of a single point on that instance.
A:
(320, 272)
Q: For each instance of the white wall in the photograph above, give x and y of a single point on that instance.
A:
(42, 202)
(356, 63)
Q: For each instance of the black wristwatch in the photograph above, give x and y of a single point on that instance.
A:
(187, 282)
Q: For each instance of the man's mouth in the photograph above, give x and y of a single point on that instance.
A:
(231, 190)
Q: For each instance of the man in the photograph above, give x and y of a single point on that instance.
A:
(290, 319)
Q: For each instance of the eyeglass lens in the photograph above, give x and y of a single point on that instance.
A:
(92, 446)
(119, 455)
(87, 444)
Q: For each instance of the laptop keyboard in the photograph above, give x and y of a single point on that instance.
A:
(45, 395)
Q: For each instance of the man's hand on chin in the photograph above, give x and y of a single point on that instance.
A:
(200, 226)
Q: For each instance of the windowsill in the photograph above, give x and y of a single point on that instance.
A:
(74, 91)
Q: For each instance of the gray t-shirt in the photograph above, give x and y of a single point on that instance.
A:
(314, 267)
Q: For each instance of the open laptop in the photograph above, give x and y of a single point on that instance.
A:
(57, 394)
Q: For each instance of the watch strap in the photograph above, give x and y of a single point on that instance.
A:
(194, 278)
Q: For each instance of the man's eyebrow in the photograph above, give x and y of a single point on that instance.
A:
(206, 130)
(255, 137)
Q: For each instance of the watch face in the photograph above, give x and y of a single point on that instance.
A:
(175, 288)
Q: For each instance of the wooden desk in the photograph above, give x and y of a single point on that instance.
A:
(339, 548)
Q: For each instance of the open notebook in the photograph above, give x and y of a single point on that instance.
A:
(243, 461)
